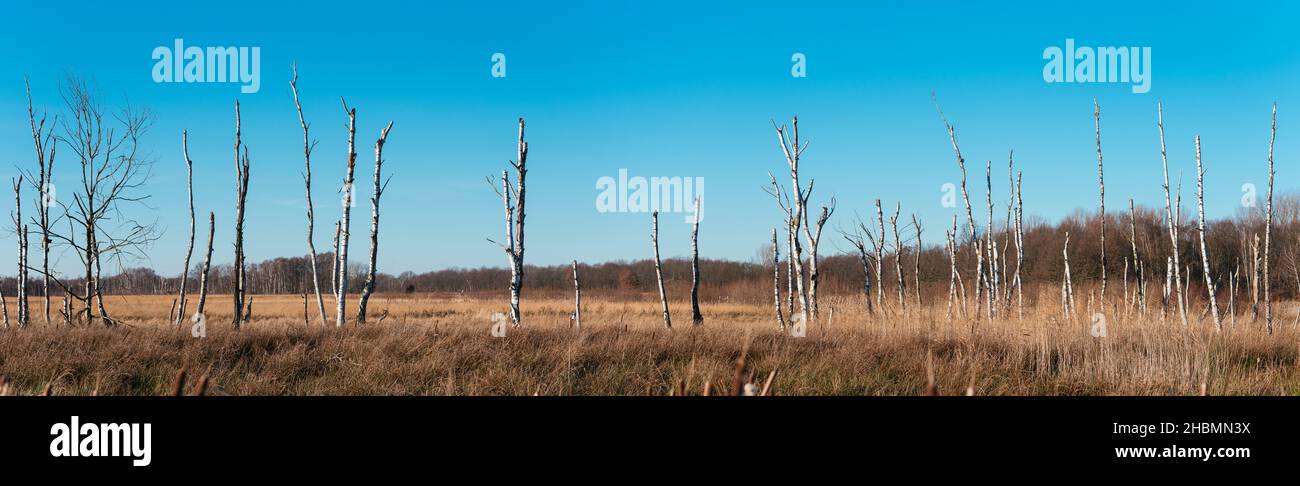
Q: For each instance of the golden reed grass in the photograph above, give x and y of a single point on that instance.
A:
(440, 345)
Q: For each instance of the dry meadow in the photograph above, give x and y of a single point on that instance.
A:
(421, 344)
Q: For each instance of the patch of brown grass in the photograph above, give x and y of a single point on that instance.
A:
(440, 345)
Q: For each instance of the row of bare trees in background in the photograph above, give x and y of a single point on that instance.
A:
(94, 224)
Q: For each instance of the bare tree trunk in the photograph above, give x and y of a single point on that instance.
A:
(577, 298)
(879, 245)
(514, 216)
(856, 239)
(334, 262)
(345, 223)
(1205, 256)
(1020, 247)
(1101, 184)
(776, 282)
(1169, 276)
(916, 263)
(4, 309)
(207, 265)
(798, 212)
(1067, 285)
(189, 250)
(814, 240)
(20, 230)
(970, 217)
(1124, 277)
(1268, 230)
(789, 270)
(659, 272)
(1232, 295)
(369, 288)
(44, 198)
(1254, 279)
(991, 247)
(952, 261)
(898, 257)
(1137, 260)
(307, 145)
(1171, 220)
(25, 318)
(241, 196)
(697, 319)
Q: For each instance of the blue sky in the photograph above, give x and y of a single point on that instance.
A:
(663, 89)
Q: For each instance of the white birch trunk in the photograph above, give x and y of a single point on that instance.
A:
(659, 272)
(1205, 255)
(378, 191)
(345, 223)
(307, 145)
(189, 249)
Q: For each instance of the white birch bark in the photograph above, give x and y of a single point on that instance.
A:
(307, 145)
(659, 272)
(1205, 255)
(776, 283)
(1101, 184)
(1172, 220)
(207, 265)
(1268, 230)
(345, 223)
(189, 249)
(378, 191)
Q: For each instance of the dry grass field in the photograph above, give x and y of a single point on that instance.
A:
(440, 345)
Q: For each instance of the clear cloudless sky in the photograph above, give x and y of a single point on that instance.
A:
(685, 89)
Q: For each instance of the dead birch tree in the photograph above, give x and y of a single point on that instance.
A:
(112, 171)
(1101, 184)
(207, 265)
(1172, 220)
(916, 263)
(41, 138)
(991, 247)
(334, 262)
(1200, 224)
(514, 216)
(697, 319)
(377, 191)
(659, 271)
(307, 145)
(898, 257)
(857, 240)
(970, 216)
(814, 237)
(1139, 274)
(1020, 246)
(879, 245)
(798, 212)
(776, 282)
(189, 250)
(1254, 279)
(952, 275)
(1268, 229)
(241, 197)
(345, 222)
(577, 298)
(1067, 284)
(20, 230)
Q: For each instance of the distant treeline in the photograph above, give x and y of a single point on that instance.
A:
(1229, 241)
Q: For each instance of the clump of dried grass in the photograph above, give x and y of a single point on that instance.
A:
(441, 347)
